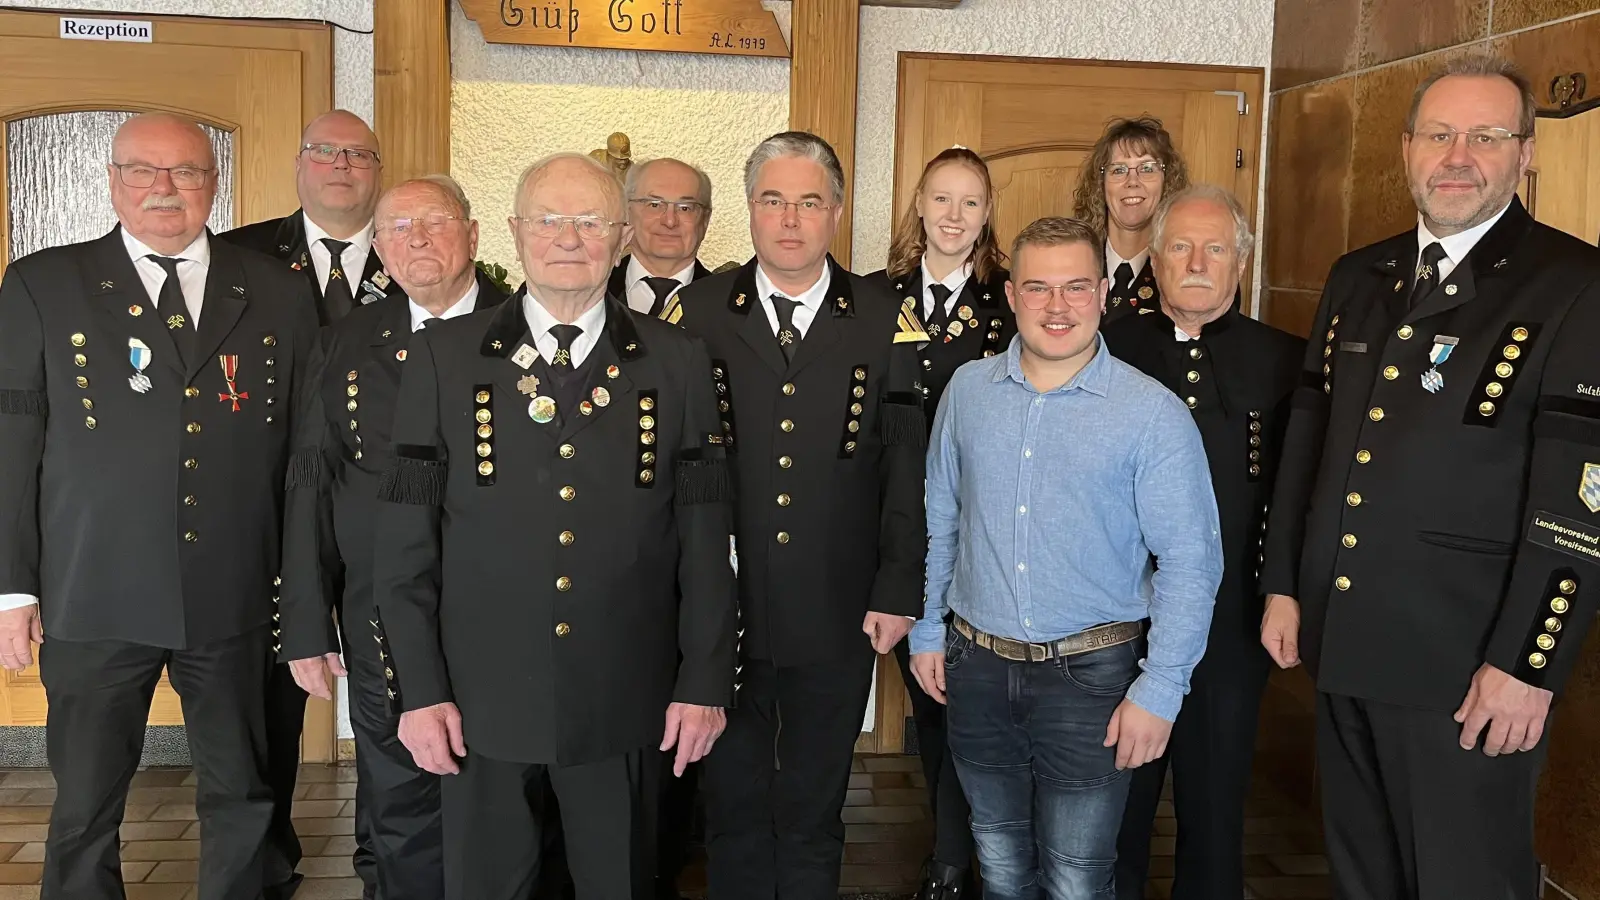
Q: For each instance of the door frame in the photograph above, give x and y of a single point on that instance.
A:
(313, 41)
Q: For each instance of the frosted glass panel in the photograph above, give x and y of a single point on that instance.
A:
(56, 169)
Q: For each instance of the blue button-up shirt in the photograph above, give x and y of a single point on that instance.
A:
(1052, 513)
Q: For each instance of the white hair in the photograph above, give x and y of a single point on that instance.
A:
(1243, 241)
(533, 172)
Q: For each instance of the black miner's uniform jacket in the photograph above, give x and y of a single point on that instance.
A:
(531, 572)
(828, 458)
(148, 516)
(1427, 533)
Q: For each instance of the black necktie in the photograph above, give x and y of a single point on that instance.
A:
(662, 288)
(337, 297)
(171, 304)
(431, 321)
(941, 294)
(788, 335)
(1427, 273)
(1123, 279)
(565, 335)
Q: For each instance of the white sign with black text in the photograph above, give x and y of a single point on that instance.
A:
(76, 29)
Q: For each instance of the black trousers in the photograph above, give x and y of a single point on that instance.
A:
(952, 828)
(285, 718)
(1210, 754)
(776, 781)
(99, 694)
(495, 828)
(1409, 815)
(675, 828)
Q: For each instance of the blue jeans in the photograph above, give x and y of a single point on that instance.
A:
(1046, 795)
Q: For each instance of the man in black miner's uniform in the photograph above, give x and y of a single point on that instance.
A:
(149, 382)
(1132, 166)
(329, 242)
(1237, 376)
(1437, 507)
(946, 263)
(821, 412)
(427, 233)
(537, 628)
(669, 209)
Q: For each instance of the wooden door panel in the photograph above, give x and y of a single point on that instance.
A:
(263, 81)
(1564, 182)
(1029, 185)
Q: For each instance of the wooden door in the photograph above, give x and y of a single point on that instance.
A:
(1562, 186)
(1035, 121)
(253, 85)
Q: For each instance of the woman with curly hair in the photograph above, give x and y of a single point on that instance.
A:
(1132, 166)
(946, 262)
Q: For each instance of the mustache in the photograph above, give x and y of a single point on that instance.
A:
(169, 201)
(1199, 281)
(1460, 173)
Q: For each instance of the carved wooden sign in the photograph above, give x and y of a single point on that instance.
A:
(725, 27)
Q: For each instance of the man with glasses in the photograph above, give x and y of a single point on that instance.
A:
(669, 207)
(1236, 375)
(1438, 508)
(552, 573)
(816, 377)
(425, 229)
(149, 388)
(1132, 166)
(1068, 499)
(329, 241)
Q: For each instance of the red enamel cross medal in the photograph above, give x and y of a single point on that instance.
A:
(230, 371)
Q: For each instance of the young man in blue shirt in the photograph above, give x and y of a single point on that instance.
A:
(1069, 498)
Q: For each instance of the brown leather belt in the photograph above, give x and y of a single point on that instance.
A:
(1096, 638)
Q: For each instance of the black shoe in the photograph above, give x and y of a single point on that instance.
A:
(942, 882)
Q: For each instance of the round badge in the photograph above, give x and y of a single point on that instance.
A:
(601, 397)
(613, 372)
(542, 409)
(964, 312)
(586, 408)
(1145, 293)
(955, 329)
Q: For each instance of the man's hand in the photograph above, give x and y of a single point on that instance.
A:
(928, 668)
(1515, 712)
(1139, 736)
(433, 735)
(1280, 630)
(20, 629)
(315, 674)
(693, 729)
(885, 630)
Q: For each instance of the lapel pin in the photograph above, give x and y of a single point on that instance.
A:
(401, 356)
(632, 346)
(528, 384)
(238, 290)
(1398, 285)
(613, 372)
(586, 408)
(542, 409)
(601, 397)
(107, 285)
(380, 279)
(136, 310)
(283, 248)
(1450, 290)
(496, 344)
(524, 356)
(386, 333)
(175, 322)
(739, 300)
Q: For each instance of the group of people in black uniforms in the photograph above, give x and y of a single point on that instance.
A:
(635, 535)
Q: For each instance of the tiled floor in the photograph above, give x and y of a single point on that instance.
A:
(887, 833)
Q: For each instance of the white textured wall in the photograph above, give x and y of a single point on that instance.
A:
(513, 104)
(1211, 32)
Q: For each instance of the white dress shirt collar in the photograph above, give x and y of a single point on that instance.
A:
(955, 281)
(354, 259)
(593, 321)
(199, 249)
(1113, 260)
(1456, 246)
(191, 274)
(810, 299)
(466, 304)
(639, 296)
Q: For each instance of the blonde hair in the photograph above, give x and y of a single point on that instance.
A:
(1055, 231)
(911, 236)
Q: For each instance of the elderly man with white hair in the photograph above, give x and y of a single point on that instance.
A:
(1236, 375)
(554, 593)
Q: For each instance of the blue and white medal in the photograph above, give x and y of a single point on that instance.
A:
(139, 356)
(1443, 344)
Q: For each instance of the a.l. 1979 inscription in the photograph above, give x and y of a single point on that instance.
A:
(731, 27)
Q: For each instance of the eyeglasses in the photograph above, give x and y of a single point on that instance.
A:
(431, 224)
(327, 154)
(1478, 139)
(805, 209)
(655, 208)
(590, 228)
(184, 178)
(1077, 293)
(1143, 171)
